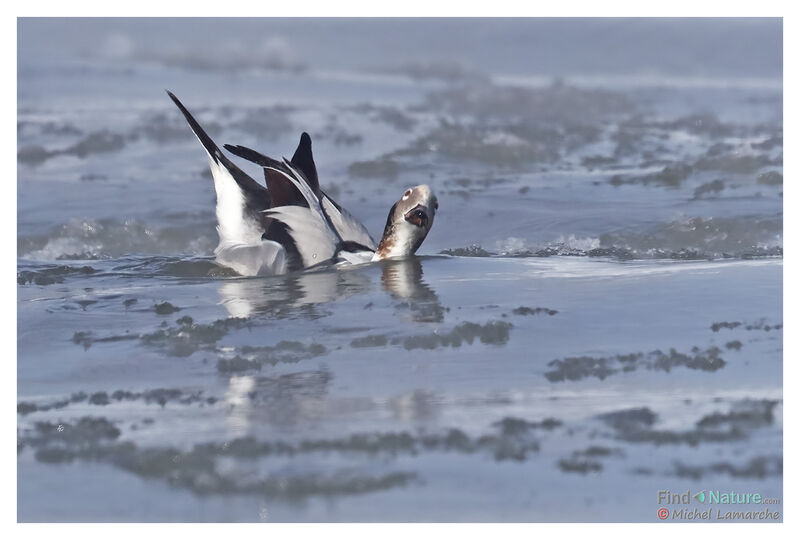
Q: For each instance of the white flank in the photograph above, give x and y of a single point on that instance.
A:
(357, 257)
(316, 241)
(266, 258)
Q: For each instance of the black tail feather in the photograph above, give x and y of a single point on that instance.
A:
(257, 195)
(303, 159)
(256, 157)
(282, 191)
(205, 140)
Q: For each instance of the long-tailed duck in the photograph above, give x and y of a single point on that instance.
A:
(291, 223)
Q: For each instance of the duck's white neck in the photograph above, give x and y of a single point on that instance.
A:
(399, 240)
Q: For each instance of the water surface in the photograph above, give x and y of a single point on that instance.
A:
(596, 315)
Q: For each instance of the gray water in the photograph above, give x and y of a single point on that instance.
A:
(595, 316)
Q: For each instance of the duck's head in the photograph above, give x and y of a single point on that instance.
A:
(408, 223)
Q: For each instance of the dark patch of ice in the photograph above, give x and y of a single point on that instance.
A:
(93, 143)
(92, 177)
(491, 333)
(598, 451)
(185, 339)
(579, 465)
(165, 308)
(758, 467)
(581, 367)
(734, 345)
(514, 426)
(635, 425)
(523, 310)
(253, 358)
(760, 324)
(52, 275)
(24, 407)
(469, 251)
(85, 431)
(745, 414)
(713, 187)
(196, 469)
(690, 437)
(628, 419)
(99, 398)
(716, 327)
(161, 396)
(669, 176)
(87, 339)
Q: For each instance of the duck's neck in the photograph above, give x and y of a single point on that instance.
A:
(388, 240)
(399, 240)
(386, 246)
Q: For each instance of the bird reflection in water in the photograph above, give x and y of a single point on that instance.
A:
(238, 405)
(292, 398)
(292, 295)
(304, 294)
(402, 279)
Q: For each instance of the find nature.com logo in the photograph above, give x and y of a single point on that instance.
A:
(707, 498)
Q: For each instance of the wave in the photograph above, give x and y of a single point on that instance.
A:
(684, 238)
(38, 273)
(87, 239)
(694, 238)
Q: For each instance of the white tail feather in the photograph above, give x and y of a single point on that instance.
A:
(233, 226)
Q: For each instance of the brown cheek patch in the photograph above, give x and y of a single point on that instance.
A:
(416, 221)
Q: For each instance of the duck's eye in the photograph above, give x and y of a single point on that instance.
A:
(417, 217)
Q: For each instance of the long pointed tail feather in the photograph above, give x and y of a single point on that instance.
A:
(213, 151)
(240, 199)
